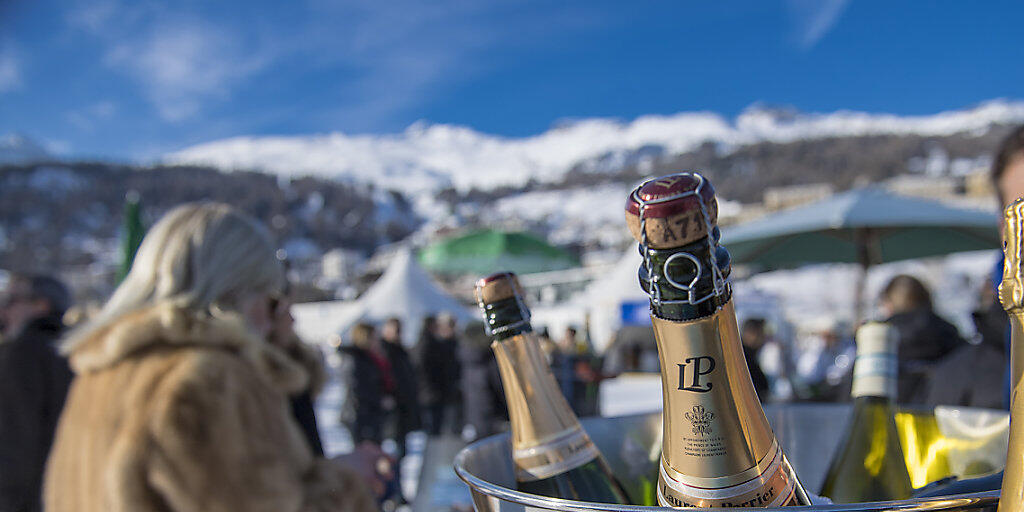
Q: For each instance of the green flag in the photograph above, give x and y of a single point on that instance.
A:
(132, 233)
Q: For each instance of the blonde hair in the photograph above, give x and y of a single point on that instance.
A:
(203, 257)
(362, 335)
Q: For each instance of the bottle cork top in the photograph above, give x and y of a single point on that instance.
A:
(497, 287)
(1011, 290)
(875, 369)
(671, 209)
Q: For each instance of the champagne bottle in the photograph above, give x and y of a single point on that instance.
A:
(552, 454)
(718, 449)
(869, 464)
(1011, 295)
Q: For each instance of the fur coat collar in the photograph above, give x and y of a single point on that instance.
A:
(166, 326)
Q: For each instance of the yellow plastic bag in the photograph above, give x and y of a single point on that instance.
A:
(952, 441)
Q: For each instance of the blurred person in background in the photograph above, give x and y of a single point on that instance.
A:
(309, 358)
(991, 354)
(439, 370)
(973, 375)
(1008, 168)
(180, 400)
(563, 365)
(369, 405)
(824, 368)
(369, 385)
(924, 337)
(547, 344)
(34, 380)
(579, 373)
(1008, 180)
(754, 335)
(406, 416)
(482, 394)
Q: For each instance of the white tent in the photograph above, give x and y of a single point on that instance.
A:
(318, 322)
(604, 297)
(405, 291)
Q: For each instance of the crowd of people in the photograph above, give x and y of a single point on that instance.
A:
(447, 384)
(189, 390)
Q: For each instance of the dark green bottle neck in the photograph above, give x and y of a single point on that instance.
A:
(506, 318)
(683, 271)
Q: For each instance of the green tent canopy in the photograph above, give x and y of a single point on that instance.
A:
(486, 251)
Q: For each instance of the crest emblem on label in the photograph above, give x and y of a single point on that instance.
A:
(700, 418)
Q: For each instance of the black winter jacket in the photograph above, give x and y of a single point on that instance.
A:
(439, 368)
(407, 399)
(34, 382)
(363, 409)
(924, 340)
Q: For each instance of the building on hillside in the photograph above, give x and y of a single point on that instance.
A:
(979, 184)
(780, 198)
(747, 213)
(922, 185)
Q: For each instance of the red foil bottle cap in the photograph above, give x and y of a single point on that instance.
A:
(671, 207)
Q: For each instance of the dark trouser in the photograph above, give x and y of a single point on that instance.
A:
(442, 413)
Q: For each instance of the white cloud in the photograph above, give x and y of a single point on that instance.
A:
(408, 52)
(397, 54)
(57, 146)
(87, 117)
(182, 65)
(10, 71)
(814, 19)
(402, 51)
(181, 61)
(95, 16)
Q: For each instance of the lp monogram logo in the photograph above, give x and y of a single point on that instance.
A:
(696, 367)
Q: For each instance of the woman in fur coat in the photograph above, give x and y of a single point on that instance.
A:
(180, 403)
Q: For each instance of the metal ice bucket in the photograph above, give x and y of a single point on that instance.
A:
(808, 433)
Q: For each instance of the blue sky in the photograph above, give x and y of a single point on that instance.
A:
(131, 79)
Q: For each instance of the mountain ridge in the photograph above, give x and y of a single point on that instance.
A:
(432, 157)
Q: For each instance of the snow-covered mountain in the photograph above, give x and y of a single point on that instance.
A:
(433, 156)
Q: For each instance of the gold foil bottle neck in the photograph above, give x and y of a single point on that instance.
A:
(1011, 290)
(547, 438)
(718, 448)
(1011, 294)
